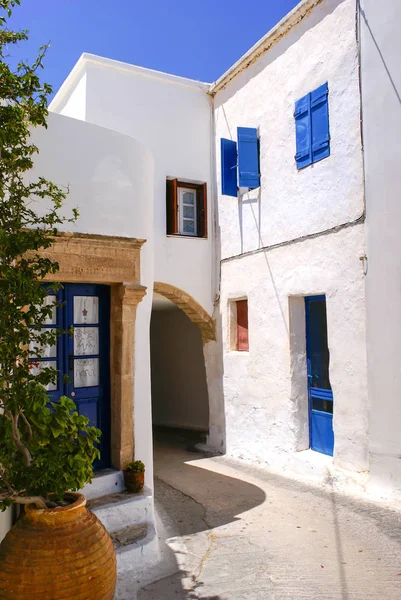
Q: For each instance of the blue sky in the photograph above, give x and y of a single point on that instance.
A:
(199, 39)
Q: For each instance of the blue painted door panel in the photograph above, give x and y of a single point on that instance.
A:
(320, 392)
(87, 357)
(83, 358)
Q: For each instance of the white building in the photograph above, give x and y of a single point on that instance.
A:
(299, 235)
(250, 244)
(381, 103)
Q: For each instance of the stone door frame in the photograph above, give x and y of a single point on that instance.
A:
(112, 261)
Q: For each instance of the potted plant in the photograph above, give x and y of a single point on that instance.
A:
(58, 549)
(134, 476)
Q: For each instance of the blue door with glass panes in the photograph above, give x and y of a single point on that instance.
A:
(319, 388)
(82, 356)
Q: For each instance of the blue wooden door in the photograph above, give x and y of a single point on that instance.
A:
(320, 392)
(83, 356)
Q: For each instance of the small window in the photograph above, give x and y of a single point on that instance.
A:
(238, 321)
(186, 209)
(242, 325)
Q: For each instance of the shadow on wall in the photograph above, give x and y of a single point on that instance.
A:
(366, 21)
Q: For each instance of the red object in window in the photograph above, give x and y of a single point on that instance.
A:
(242, 325)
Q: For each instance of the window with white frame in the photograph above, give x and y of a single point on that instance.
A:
(187, 211)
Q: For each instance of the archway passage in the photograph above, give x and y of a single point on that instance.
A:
(190, 307)
(180, 399)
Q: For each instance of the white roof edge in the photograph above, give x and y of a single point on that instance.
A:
(87, 58)
(291, 19)
(67, 83)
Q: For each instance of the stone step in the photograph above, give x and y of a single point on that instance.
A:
(117, 511)
(136, 546)
(106, 481)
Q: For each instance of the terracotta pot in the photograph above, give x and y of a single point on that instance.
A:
(134, 482)
(58, 554)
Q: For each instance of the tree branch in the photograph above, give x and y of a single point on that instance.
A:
(17, 439)
(28, 425)
(4, 480)
(38, 501)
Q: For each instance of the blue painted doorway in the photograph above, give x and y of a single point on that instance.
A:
(319, 388)
(84, 355)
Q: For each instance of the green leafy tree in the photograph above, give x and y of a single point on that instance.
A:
(44, 449)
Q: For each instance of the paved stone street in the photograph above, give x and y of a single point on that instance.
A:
(239, 533)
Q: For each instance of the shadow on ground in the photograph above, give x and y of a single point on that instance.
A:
(177, 475)
(299, 542)
(171, 588)
(219, 500)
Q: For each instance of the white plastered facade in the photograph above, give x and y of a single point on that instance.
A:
(381, 89)
(310, 223)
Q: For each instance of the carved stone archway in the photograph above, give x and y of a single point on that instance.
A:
(191, 308)
(113, 261)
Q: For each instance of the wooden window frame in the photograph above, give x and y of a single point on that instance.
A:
(242, 327)
(173, 220)
(238, 325)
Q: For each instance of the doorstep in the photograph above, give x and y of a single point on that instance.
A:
(106, 481)
(123, 509)
(129, 519)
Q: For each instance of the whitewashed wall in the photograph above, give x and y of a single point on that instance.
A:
(75, 103)
(172, 116)
(381, 90)
(108, 177)
(265, 406)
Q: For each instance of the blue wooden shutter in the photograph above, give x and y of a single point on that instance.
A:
(303, 132)
(320, 123)
(228, 168)
(248, 157)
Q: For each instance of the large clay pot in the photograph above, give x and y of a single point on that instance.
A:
(58, 554)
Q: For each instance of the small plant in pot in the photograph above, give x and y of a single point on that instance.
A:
(134, 476)
(58, 549)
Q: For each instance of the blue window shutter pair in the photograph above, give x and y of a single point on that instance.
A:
(248, 162)
(312, 127)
